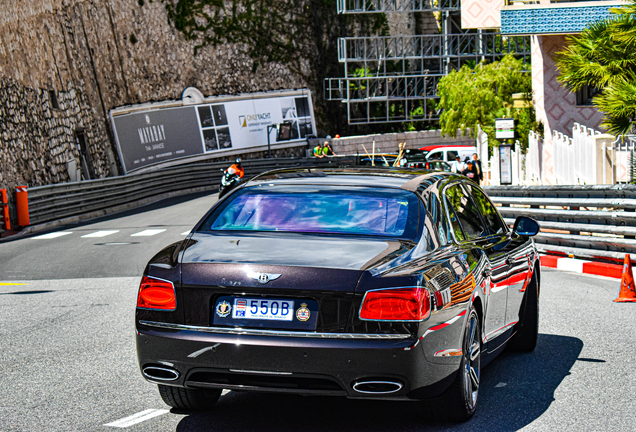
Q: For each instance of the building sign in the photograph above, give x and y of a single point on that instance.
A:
(155, 134)
(505, 165)
(504, 128)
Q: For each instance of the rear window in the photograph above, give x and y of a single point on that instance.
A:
(318, 209)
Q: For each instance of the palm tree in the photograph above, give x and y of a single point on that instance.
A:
(603, 56)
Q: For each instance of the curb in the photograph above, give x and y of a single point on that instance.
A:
(582, 266)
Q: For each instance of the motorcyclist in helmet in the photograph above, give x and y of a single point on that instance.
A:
(236, 168)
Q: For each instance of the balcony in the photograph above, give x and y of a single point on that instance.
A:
(543, 17)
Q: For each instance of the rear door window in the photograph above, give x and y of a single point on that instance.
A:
(451, 155)
(467, 213)
(489, 212)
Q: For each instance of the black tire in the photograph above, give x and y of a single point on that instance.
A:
(189, 399)
(460, 400)
(527, 329)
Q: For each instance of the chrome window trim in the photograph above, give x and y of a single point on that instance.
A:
(282, 333)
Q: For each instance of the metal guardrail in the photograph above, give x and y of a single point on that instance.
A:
(597, 222)
(55, 202)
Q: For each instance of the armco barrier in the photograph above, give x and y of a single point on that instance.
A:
(583, 221)
(60, 201)
(595, 222)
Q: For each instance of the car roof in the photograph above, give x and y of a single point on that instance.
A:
(441, 146)
(390, 177)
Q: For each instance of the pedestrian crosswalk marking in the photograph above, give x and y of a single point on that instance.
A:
(185, 233)
(52, 235)
(100, 233)
(148, 233)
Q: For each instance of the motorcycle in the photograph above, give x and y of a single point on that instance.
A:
(229, 180)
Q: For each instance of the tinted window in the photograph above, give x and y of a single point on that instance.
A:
(467, 213)
(318, 209)
(456, 227)
(451, 155)
(490, 214)
(417, 157)
(439, 220)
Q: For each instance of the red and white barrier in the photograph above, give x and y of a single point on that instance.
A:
(582, 266)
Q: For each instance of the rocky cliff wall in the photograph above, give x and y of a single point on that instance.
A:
(64, 64)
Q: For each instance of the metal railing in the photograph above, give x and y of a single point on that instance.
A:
(60, 201)
(597, 222)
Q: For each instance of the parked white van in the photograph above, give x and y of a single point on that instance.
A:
(448, 153)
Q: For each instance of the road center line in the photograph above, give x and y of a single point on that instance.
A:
(147, 233)
(100, 233)
(52, 235)
(137, 418)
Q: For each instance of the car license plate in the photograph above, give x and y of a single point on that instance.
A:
(250, 308)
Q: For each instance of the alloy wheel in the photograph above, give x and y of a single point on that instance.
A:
(472, 362)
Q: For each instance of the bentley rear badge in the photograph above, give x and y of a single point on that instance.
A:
(265, 277)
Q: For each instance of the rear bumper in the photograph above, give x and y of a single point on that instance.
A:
(282, 363)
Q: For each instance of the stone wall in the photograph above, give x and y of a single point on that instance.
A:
(92, 56)
(389, 143)
(64, 64)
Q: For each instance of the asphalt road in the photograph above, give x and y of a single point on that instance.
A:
(69, 364)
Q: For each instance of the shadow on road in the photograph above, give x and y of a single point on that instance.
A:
(516, 390)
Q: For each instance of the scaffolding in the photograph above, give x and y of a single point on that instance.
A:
(437, 53)
(391, 79)
(377, 6)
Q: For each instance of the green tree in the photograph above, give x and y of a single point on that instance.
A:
(477, 96)
(604, 56)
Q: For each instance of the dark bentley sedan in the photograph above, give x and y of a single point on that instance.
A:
(364, 283)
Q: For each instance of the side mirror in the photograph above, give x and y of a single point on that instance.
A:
(526, 227)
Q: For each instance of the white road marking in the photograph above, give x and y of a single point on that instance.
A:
(185, 233)
(137, 418)
(501, 384)
(100, 233)
(52, 235)
(224, 392)
(148, 233)
(570, 264)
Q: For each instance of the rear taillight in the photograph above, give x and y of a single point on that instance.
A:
(156, 294)
(396, 304)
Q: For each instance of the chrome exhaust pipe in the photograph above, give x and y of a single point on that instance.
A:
(160, 373)
(377, 387)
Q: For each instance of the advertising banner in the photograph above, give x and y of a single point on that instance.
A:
(505, 164)
(156, 134)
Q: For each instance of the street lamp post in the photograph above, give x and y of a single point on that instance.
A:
(269, 129)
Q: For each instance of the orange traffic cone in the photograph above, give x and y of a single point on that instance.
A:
(628, 289)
